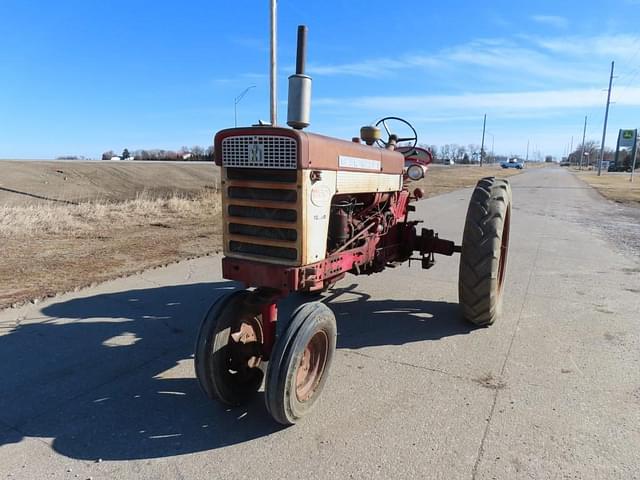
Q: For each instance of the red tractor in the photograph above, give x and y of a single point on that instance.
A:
(302, 210)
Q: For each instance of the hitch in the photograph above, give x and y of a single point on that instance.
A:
(428, 244)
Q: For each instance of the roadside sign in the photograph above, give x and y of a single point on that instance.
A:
(626, 138)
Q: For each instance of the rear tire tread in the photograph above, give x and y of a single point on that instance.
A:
(479, 293)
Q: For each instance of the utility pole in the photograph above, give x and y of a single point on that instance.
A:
(527, 158)
(274, 28)
(606, 116)
(571, 147)
(635, 156)
(484, 124)
(236, 101)
(584, 133)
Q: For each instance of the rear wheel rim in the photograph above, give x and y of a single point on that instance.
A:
(504, 249)
(312, 365)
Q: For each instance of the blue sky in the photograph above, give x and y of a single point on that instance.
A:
(81, 77)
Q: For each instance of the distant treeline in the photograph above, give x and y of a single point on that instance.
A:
(184, 154)
(72, 157)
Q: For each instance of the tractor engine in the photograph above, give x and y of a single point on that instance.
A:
(293, 199)
(354, 215)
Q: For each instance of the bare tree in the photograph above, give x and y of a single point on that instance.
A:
(108, 155)
(446, 152)
(591, 153)
(210, 153)
(197, 151)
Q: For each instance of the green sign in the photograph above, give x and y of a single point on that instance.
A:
(626, 138)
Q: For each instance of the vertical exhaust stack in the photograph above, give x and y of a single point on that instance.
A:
(299, 103)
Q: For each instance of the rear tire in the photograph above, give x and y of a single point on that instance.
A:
(300, 363)
(485, 244)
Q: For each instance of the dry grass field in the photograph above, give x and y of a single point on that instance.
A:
(442, 179)
(50, 247)
(614, 186)
(44, 182)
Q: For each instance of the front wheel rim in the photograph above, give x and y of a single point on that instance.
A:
(243, 347)
(311, 367)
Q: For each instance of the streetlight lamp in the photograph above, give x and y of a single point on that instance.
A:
(236, 101)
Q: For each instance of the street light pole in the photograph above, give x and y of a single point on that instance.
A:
(570, 149)
(236, 101)
(273, 62)
(493, 159)
(490, 154)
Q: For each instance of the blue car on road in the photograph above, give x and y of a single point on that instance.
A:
(513, 163)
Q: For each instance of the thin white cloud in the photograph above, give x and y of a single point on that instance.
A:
(512, 102)
(526, 60)
(374, 67)
(368, 68)
(554, 21)
(601, 46)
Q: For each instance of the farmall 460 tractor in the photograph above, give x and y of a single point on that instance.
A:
(301, 211)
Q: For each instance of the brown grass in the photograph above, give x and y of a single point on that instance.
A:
(51, 247)
(90, 217)
(442, 179)
(614, 186)
(54, 248)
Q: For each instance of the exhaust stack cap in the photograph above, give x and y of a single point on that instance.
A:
(299, 102)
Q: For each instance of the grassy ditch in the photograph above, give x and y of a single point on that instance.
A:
(614, 186)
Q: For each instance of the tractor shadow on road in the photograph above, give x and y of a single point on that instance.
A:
(365, 322)
(111, 376)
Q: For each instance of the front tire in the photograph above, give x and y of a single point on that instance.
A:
(300, 363)
(228, 349)
(485, 244)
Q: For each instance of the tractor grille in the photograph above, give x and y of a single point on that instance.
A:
(262, 214)
(262, 151)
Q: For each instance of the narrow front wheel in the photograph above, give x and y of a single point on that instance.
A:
(300, 363)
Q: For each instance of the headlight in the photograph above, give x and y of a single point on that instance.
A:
(415, 172)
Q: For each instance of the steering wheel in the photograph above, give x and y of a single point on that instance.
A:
(384, 144)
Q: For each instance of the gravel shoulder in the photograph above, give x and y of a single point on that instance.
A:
(618, 218)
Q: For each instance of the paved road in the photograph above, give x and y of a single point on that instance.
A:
(100, 383)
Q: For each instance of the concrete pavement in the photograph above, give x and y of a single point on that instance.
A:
(100, 383)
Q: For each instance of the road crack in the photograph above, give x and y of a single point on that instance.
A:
(406, 364)
(481, 448)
